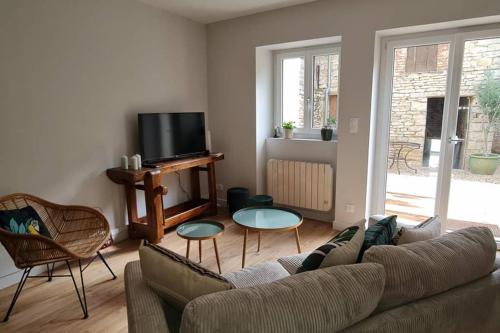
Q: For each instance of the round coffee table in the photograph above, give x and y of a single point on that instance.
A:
(200, 230)
(267, 218)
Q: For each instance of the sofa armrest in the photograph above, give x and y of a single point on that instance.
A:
(145, 312)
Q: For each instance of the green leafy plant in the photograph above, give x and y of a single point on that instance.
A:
(331, 121)
(488, 96)
(288, 125)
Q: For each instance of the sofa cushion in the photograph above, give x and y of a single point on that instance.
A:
(316, 258)
(255, 275)
(380, 233)
(347, 254)
(175, 278)
(422, 269)
(430, 228)
(293, 262)
(323, 300)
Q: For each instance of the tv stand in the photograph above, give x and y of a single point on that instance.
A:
(157, 219)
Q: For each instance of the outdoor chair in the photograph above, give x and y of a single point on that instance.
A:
(77, 233)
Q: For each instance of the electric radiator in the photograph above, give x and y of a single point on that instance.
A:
(300, 184)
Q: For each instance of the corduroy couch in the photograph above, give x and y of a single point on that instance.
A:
(447, 284)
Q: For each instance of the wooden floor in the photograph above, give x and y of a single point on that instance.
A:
(53, 306)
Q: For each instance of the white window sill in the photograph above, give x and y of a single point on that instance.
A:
(318, 141)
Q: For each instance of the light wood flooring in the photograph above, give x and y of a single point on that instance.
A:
(53, 306)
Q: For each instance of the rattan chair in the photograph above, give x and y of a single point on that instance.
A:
(78, 233)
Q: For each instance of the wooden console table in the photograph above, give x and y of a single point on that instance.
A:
(157, 218)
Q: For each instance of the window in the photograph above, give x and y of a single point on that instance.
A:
(306, 87)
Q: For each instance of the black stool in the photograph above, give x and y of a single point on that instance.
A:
(237, 198)
(260, 200)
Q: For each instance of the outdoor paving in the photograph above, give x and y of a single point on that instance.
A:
(472, 202)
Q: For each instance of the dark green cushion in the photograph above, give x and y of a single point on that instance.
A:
(314, 260)
(380, 233)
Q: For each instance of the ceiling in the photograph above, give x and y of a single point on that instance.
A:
(208, 11)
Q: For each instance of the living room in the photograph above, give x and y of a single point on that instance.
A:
(333, 93)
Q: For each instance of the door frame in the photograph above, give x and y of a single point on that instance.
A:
(456, 39)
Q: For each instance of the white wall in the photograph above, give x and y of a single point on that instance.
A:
(232, 80)
(73, 76)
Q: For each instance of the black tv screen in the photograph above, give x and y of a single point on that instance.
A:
(167, 136)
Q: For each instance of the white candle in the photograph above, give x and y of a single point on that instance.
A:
(133, 163)
(139, 160)
(124, 162)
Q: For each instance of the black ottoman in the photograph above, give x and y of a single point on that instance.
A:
(237, 198)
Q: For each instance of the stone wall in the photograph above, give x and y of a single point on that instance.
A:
(411, 91)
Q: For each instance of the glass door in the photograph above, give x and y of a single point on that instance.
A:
(418, 90)
(474, 192)
(438, 131)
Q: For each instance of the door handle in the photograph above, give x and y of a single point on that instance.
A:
(455, 139)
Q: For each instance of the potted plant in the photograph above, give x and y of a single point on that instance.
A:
(488, 96)
(327, 130)
(288, 127)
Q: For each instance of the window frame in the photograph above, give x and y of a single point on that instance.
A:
(308, 53)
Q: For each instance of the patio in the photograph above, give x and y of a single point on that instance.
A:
(474, 200)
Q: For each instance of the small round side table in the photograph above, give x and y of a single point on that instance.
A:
(201, 230)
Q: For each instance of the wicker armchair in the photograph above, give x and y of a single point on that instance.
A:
(78, 233)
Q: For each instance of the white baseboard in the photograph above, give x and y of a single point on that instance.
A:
(15, 277)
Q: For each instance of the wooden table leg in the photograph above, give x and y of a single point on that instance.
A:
(187, 249)
(217, 256)
(258, 244)
(297, 239)
(212, 190)
(199, 242)
(154, 205)
(244, 248)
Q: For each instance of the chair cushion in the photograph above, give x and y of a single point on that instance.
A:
(380, 233)
(323, 300)
(175, 278)
(23, 221)
(292, 263)
(421, 269)
(430, 228)
(255, 275)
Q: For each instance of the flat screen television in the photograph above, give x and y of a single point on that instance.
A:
(169, 136)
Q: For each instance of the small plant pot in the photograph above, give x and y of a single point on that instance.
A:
(480, 164)
(288, 133)
(326, 134)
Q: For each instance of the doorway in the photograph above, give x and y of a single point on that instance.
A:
(430, 125)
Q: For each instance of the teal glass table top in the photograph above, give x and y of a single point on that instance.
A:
(267, 218)
(200, 229)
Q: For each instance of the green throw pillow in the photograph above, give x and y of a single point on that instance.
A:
(380, 233)
(314, 260)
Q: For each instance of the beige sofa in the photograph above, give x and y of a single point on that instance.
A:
(448, 284)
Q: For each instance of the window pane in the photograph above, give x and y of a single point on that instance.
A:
(293, 91)
(325, 88)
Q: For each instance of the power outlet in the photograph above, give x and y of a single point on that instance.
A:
(349, 208)
(219, 187)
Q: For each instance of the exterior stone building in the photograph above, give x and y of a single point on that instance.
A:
(419, 84)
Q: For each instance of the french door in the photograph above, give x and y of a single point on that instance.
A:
(431, 122)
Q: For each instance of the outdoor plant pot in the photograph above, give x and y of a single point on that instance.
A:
(288, 133)
(326, 134)
(483, 164)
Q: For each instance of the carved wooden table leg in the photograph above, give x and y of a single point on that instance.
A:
(154, 205)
